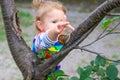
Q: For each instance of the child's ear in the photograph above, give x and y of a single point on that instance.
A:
(39, 25)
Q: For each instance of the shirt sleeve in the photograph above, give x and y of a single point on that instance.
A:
(42, 41)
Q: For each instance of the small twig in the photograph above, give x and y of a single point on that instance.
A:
(113, 14)
(115, 33)
(110, 59)
(85, 49)
(110, 31)
(93, 52)
(102, 36)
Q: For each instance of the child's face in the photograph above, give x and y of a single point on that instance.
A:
(52, 18)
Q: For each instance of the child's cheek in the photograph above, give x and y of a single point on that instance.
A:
(64, 18)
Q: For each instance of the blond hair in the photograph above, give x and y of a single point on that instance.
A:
(42, 7)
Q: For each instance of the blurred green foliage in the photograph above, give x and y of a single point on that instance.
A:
(80, 3)
(98, 69)
(26, 19)
(2, 31)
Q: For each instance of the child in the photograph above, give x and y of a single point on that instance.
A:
(50, 22)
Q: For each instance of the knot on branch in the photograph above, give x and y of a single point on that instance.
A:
(16, 24)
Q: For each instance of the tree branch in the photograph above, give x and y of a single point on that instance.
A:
(21, 53)
(26, 60)
(90, 22)
(85, 49)
(100, 54)
(102, 35)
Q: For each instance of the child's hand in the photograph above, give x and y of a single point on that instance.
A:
(69, 26)
(62, 25)
(58, 27)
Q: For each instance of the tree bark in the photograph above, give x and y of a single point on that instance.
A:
(21, 53)
(27, 62)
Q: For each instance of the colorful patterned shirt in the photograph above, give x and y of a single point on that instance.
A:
(43, 47)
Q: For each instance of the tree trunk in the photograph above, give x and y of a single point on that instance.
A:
(21, 53)
(27, 62)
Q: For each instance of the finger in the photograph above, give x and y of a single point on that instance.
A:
(71, 27)
(63, 24)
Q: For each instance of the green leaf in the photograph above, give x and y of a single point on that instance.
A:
(89, 78)
(112, 72)
(115, 63)
(60, 79)
(79, 70)
(104, 78)
(117, 79)
(100, 61)
(86, 73)
(115, 55)
(106, 22)
(74, 78)
(50, 77)
(101, 72)
(92, 62)
(59, 73)
(115, 19)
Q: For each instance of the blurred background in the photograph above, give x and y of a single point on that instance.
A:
(88, 5)
(78, 10)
